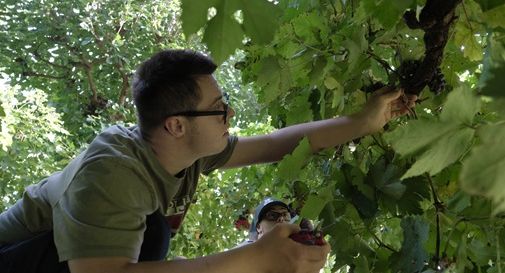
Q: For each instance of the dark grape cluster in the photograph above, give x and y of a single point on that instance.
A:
(308, 237)
(407, 71)
(437, 83)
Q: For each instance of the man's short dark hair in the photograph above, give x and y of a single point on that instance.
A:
(166, 84)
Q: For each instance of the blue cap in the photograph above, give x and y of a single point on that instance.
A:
(261, 209)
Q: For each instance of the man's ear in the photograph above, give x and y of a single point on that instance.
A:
(259, 230)
(176, 126)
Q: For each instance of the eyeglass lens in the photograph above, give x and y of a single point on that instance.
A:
(274, 215)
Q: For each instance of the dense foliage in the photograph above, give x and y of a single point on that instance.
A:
(51, 113)
(424, 195)
(427, 193)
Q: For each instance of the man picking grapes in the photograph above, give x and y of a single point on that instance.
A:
(114, 207)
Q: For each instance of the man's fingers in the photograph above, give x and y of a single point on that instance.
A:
(389, 94)
(384, 90)
(314, 256)
(285, 229)
(411, 97)
(316, 253)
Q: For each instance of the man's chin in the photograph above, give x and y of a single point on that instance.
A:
(218, 150)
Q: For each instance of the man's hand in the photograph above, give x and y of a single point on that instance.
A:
(385, 104)
(279, 253)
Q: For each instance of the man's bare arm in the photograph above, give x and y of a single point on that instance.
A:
(322, 134)
(274, 252)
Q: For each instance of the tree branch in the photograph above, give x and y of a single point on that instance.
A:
(39, 57)
(126, 83)
(35, 74)
(91, 81)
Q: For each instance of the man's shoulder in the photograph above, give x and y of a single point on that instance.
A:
(118, 141)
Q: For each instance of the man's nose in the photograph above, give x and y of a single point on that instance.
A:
(230, 114)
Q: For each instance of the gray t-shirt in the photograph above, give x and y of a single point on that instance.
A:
(98, 204)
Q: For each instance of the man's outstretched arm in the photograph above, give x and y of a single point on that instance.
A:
(379, 110)
(274, 252)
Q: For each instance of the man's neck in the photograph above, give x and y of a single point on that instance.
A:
(172, 154)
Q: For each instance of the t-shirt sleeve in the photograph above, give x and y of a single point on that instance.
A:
(103, 212)
(216, 161)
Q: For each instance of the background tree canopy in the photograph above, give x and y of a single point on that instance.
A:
(425, 195)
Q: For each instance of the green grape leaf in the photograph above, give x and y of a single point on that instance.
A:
(462, 261)
(331, 83)
(268, 74)
(361, 265)
(494, 17)
(441, 154)
(417, 190)
(299, 110)
(317, 73)
(329, 214)
(292, 164)
(483, 172)
(492, 80)
(387, 179)
(461, 106)
(356, 44)
(389, 12)
(273, 79)
(223, 34)
(366, 207)
(480, 251)
(194, 14)
(490, 4)
(417, 134)
(412, 256)
(316, 203)
(308, 26)
(260, 20)
(345, 244)
(459, 202)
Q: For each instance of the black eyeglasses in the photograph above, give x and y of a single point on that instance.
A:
(224, 112)
(275, 215)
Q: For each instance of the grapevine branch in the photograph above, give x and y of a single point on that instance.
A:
(439, 207)
(379, 242)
